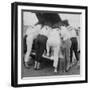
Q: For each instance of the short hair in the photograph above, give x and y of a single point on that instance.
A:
(57, 25)
(65, 23)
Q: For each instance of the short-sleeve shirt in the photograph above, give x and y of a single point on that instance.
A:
(65, 33)
(71, 31)
(44, 31)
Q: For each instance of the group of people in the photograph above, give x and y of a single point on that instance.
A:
(54, 38)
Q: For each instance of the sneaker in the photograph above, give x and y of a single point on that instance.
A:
(68, 67)
(78, 63)
(38, 66)
(26, 64)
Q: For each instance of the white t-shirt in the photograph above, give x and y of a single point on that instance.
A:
(45, 31)
(65, 33)
(33, 30)
(71, 31)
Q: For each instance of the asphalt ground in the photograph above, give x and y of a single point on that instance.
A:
(47, 69)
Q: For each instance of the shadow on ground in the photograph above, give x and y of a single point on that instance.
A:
(47, 69)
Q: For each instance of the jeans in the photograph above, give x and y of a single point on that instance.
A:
(74, 48)
(66, 45)
(40, 46)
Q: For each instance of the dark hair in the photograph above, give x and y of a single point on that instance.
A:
(65, 23)
(57, 25)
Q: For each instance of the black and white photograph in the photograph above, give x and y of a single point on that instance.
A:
(50, 44)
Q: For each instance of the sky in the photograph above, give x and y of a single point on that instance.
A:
(30, 18)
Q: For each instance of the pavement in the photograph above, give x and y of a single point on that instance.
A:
(47, 69)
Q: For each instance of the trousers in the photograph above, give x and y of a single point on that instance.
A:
(66, 45)
(74, 48)
(40, 46)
